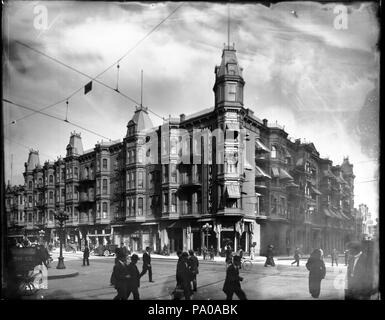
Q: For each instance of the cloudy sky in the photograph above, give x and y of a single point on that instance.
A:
(318, 80)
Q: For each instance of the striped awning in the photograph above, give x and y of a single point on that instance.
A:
(233, 191)
(260, 146)
(259, 173)
(315, 190)
(292, 185)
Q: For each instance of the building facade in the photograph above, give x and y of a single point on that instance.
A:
(222, 166)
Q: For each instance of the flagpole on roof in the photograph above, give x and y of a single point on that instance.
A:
(141, 88)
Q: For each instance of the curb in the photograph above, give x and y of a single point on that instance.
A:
(69, 273)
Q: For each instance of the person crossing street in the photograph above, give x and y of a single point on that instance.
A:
(147, 264)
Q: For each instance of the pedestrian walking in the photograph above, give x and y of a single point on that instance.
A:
(124, 250)
(212, 253)
(86, 255)
(147, 264)
(359, 274)
(297, 255)
(194, 268)
(334, 257)
(119, 276)
(317, 269)
(204, 252)
(133, 282)
(228, 254)
(184, 276)
(233, 281)
(270, 256)
(252, 252)
(346, 252)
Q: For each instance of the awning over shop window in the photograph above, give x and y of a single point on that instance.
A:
(275, 172)
(337, 214)
(260, 146)
(176, 225)
(328, 213)
(259, 173)
(233, 191)
(329, 174)
(284, 175)
(343, 215)
(292, 185)
(232, 126)
(316, 191)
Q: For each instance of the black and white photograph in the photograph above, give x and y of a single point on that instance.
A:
(190, 151)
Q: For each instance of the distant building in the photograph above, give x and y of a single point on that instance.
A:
(251, 183)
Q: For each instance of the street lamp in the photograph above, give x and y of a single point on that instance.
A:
(61, 217)
(206, 228)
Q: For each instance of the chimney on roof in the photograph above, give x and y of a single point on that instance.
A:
(264, 122)
(182, 117)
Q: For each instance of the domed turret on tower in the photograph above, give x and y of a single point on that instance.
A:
(33, 160)
(75, 146)
(229, 83)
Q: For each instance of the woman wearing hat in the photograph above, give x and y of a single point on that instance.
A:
(316, 266)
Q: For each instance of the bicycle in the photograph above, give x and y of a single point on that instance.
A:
(246, 264)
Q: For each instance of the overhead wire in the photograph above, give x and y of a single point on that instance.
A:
(56, 118)
(101, 73)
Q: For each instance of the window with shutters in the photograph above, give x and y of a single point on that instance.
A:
(104, 187)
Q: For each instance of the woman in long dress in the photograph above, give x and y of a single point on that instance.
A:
(316, 266)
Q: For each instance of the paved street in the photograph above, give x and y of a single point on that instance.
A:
(260, 283)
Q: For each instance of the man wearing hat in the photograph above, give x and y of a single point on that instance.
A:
(233, 281)
(270, 256)
(133, 282)
(147, 264)
(120, 276)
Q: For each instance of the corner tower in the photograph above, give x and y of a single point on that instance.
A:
(229, 83)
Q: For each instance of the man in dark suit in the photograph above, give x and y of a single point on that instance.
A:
(120, 276)
(147, 264)
(124, 250)
(184, 275)
(194, 267)
(233, 281)
(359, 274)
(133, 282)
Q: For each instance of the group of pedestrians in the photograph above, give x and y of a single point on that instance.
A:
(125, 276)
(187, 270)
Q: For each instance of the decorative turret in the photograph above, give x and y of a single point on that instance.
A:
(229, 83)
(140, 122)
(75, 146)
(33, 160)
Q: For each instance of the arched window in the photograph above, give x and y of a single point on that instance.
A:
(273, 153)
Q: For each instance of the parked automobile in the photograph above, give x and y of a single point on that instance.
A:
(105, 250)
